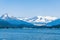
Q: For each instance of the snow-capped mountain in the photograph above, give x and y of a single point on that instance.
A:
(37, 20)
(44, 19)
(6, 17)
(15, 21)
(41, 20)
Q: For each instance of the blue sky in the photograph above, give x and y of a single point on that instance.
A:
(29, 8)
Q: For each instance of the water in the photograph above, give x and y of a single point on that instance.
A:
(30, 34)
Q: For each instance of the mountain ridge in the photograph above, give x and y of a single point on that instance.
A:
(33, 21)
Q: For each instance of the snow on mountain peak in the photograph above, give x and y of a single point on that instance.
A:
(37, 20)
(4, 16)
(50, 17)
(47, 17)
(41, 20)
(44, 19)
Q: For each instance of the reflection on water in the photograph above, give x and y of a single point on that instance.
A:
(29, 34)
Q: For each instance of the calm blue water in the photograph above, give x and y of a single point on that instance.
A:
(30, 34)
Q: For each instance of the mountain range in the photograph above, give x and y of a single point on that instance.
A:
(20, 22)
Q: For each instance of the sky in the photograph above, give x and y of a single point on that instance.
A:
(30, 8)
